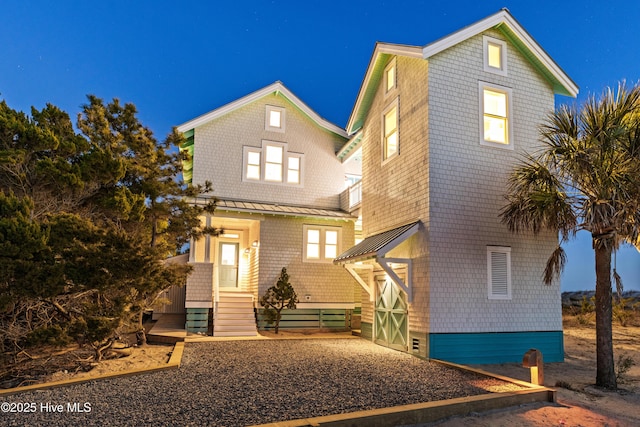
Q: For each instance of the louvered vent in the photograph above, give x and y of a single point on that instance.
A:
(499, 274)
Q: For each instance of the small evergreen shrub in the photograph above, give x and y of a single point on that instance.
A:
(277, 298)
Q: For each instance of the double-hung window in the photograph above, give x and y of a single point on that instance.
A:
(273, 163)
(390, 141)
(495, 108)
(253, 164)
(321, 243)
(294, 163)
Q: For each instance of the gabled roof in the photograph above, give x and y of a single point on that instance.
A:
(378, 244)
(275, 88)
(502, 21)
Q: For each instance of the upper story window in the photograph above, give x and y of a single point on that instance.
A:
(390, 142)
(253, 164)
(321, 243)
(272, 163)
(274, 118)
(293, 168)
(390, 76)
(495, 55)
(495, 112)
(499, 272)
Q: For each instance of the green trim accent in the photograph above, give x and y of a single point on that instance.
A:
(197, 320)
(558, 87)
(187, 165)
(335, 319)
(495, 347)
(346, 150)
(370, 91)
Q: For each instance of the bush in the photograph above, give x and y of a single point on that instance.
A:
(277, 298)
(623, 365)
(52, 335)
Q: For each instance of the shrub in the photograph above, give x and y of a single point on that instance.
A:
(623, 365)
(277, 298)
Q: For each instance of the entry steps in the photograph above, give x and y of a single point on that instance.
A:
(235, 316)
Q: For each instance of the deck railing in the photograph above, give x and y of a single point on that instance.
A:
(355, 194)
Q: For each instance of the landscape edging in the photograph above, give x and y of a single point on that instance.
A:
(173, 363)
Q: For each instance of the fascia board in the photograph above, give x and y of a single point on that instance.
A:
(380, 49)
(395, 242)
(503, 18)
(276, 87)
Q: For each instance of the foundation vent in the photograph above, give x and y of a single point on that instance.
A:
(415, 345)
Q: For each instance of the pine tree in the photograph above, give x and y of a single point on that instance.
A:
(94, 216)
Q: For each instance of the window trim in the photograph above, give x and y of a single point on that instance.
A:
(245, 163)
(391, 65)
(486, 41)
(482, 86)
(492, 295)
(267, 118)
(286, 155)
(283, 160)
(388, 108)
(322, 243)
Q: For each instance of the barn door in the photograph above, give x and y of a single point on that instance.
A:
(391, 315)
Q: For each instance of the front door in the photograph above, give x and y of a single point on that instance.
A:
(390, 315)
(228, 265)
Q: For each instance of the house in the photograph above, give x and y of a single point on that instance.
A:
(416, 245)
(272, 161)
(440, 127)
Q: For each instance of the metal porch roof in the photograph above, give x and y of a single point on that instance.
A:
(378, 244)
(276, 209)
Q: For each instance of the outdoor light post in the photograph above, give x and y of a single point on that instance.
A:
(533, 360)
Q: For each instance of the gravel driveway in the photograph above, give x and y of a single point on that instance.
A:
(238, 383)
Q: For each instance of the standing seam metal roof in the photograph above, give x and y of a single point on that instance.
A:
(370, 246)
(275, 209)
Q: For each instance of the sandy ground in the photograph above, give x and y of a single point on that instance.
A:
(141, 357)
(581, 405)
(579, 402)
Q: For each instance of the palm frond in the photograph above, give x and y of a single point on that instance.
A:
(536, 200)
(619, 286)
(555, 265)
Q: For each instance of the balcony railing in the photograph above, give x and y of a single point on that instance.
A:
(355, 194)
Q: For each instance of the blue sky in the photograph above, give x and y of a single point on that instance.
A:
(176, 60)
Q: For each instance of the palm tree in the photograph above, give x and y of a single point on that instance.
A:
(586, 177)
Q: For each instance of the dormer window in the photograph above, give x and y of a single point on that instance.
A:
(495, 55)
(274, 119)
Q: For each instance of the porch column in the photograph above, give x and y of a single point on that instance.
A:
(192, 250)
(207, 241)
